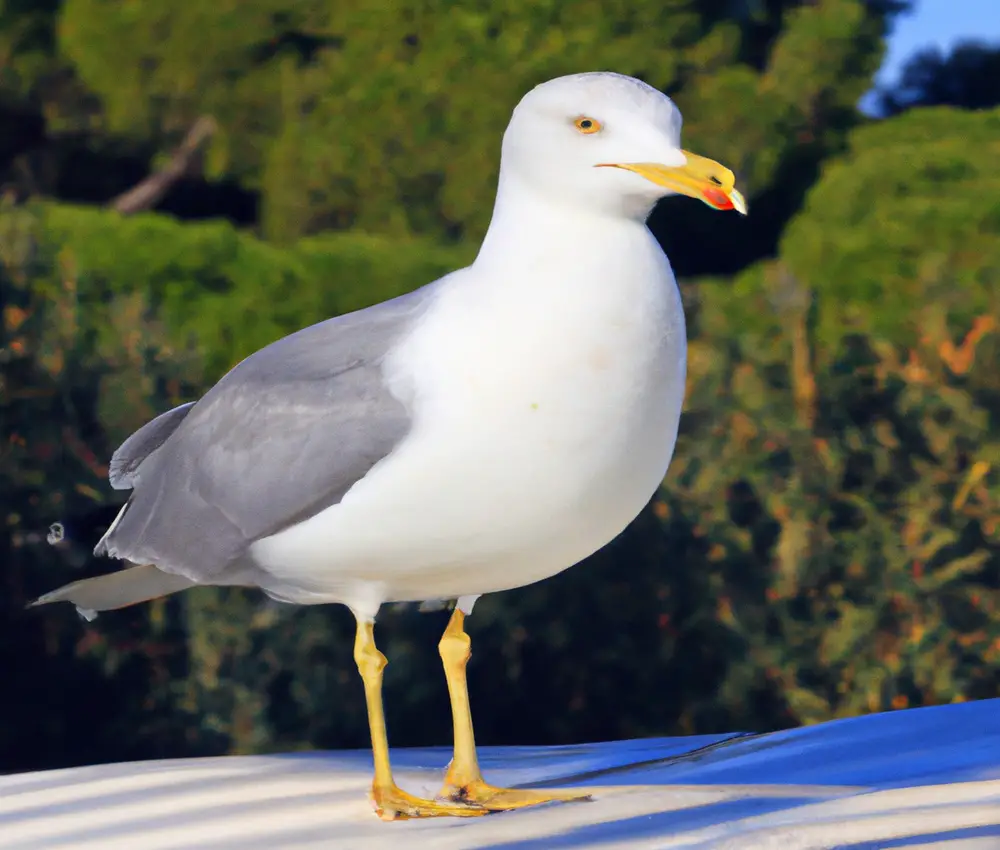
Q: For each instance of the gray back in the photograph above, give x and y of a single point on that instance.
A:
(281, 437)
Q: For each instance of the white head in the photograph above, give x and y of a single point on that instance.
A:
(609, 142)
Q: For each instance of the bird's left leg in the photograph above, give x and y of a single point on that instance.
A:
(464, 782)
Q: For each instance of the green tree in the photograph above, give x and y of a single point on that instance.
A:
(196, 277)
(901, 235)
(859, 448)
(59, 370)
(389, 118)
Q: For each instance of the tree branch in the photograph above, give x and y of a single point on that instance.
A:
(150, 191)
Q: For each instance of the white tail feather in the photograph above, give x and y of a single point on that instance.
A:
(116, 590)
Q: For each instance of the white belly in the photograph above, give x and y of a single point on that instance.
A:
(538, 437)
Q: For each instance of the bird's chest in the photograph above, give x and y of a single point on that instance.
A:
(577, 383)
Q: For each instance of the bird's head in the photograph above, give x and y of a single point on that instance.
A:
(610, 141)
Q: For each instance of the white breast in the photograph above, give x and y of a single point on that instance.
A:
(546, 408)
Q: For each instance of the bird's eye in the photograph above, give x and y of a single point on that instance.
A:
(587, 125)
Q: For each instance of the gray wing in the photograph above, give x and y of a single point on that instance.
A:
(126, 462)
(281, 437)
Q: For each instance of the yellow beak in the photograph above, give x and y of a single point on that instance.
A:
(699, 178)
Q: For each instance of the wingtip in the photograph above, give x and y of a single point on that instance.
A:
(88, 614)
(45, 599)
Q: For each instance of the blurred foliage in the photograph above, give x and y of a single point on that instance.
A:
(828, 539)
(388, 118)
(929, 259)
(198, 277)
(57, 363)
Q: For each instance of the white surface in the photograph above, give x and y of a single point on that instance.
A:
(922, 778)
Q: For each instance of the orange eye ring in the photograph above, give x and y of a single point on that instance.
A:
(588, 125)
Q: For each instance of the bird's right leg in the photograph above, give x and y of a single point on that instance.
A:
(463, 781)
(391, 802)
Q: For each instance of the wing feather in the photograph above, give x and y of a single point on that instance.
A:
(125, 463)
(282, 436)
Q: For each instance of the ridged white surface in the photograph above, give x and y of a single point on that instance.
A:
(920, 779)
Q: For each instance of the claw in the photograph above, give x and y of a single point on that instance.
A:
(493, 799)
(392, 803)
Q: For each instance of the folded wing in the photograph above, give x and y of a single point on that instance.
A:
(282, 436)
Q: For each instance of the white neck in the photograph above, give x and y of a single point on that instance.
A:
(527, 226)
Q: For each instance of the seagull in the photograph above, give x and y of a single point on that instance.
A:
(484, 432)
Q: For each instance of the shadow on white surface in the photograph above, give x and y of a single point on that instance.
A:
(920, 778)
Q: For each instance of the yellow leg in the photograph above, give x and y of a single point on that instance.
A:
(464, 781)
(391, 803)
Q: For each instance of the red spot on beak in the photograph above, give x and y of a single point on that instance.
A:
(717, 198)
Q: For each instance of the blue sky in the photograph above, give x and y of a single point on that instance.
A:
(942, 23)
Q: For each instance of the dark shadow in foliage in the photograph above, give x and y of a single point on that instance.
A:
(24, 130)
(294, 43)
